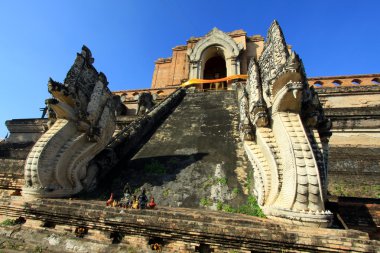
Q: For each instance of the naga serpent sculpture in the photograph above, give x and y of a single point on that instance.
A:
(285, 136)
(84, 121)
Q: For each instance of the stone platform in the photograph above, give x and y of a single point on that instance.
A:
(181, 226)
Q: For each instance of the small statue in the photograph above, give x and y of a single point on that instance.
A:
(135, 202)
(120, 108)
(156, 247)
(110, 200)
(127, 190)
(127, 194)
(144, 103)
(80, 231)
(143, 200)
(115, 203)
(151, 203)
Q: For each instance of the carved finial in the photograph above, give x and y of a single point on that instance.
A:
(103, 78)
(213, 30)
(275, 23)
(275, 35)
(86, 53)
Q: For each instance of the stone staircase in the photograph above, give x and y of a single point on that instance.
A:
(361, 214)
(177, 162)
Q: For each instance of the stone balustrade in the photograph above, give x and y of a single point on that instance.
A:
(129, 139)
(345, 81)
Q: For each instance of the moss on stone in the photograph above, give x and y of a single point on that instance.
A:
(155, 167)
(250, 208)
(8, 222)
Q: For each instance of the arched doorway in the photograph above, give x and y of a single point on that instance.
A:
(215, 43)
(215, 68)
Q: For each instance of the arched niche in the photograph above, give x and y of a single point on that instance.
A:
(215, 44)
(213, 63)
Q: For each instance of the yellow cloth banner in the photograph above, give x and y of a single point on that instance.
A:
(199, 81)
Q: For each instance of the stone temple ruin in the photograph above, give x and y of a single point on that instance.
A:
(234, 128)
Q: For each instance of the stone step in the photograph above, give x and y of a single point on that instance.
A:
(193, 225)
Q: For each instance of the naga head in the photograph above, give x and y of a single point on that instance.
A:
(290, 167)
(87, 55)
(58, 164)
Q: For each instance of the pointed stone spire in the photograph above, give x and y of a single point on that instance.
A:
(273, 59)
(276, 39)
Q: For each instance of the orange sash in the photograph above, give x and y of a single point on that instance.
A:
(199, 81)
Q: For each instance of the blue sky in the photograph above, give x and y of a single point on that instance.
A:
(40, 39)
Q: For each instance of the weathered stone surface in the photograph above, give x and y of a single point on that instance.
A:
(25, 130)
(23, 134)
(357, 213)
(286, 135)
(15, 150)
(130, 139)
(355, 142)
(80, 127)
(191, 227)
(354, 171)
(194, 161)
(11, 174)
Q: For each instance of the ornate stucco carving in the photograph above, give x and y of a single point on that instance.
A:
(215, 38)
(290, 136)
(84, 122)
